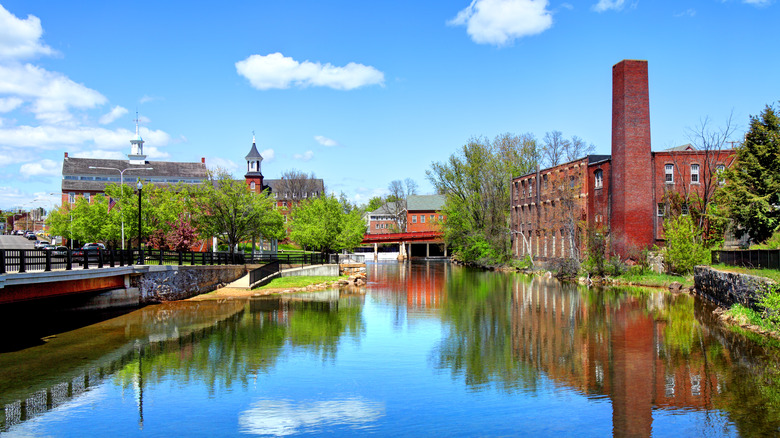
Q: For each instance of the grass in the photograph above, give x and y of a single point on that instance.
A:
(295, 282)
(746, 314)
(654, 279)
(772, 274)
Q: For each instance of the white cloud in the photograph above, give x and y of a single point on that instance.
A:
(279, 71)
(99, 153)
(43, 167)
(146, 99)
(52, 94)
(758, 2)
(605, 5)
(114, 114)
(21, 38)
(325, 141)
(690, 12)
(306, 156)
(268, 155)
(286, 417)
(48, 137)
(9, 104)
(500, 22)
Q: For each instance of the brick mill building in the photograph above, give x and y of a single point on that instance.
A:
(625, 195)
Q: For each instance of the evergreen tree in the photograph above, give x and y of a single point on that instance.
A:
(751, 196)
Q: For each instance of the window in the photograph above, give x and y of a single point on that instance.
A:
(414, 218)
(530, 188)
(377, 226)
(440, 218)
(544, 182)
(599, 174)
(71, 197)
(431, 218)
(661, 209)
(694, 173)
(252, 185)
(669, 170)
(719, 169)
(422, 218)
(86, 196)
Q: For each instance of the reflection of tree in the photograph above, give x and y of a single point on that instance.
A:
(319, 331)
(478, 342)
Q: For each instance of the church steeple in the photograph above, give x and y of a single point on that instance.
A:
(136, 155)
(254, 176)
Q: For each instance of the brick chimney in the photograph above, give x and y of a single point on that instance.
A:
(203, 160)
(66, 155)
(632, 177)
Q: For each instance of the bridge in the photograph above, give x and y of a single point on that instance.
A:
(415, 244)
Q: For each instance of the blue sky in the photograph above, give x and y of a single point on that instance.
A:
(358, 92)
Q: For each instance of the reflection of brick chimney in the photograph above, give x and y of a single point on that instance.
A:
(632, 183)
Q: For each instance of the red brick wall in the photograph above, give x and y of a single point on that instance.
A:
(632, 185)
(598, 198)
(419, 226)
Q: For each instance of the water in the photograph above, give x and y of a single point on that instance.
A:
(429, 349)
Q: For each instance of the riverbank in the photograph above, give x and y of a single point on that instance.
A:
(284, 285)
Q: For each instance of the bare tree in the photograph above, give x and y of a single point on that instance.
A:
(396, 199)
(577, 148)
(297, 185)
(554, 147)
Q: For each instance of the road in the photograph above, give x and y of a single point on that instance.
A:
(16, 242)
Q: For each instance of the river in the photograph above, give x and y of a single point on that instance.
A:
(425, 349)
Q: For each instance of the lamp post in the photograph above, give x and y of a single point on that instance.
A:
(121, 187)
(140, 254)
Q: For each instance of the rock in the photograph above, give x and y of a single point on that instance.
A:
(675, 287)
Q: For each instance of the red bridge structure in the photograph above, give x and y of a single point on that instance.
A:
(414, 244)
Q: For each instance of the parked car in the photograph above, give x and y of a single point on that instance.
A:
(91, 251)
(60, 251)
(47, 247)
(39, 244)
(31, 236)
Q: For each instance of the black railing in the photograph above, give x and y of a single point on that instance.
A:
(264, 272)
(36, 260)
(749, 258)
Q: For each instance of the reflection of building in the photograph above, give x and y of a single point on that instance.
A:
(619, 350)
(626, 194)
(420, 287)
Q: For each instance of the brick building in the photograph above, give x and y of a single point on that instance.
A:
(287, 192)
(384, 220)
(423, 212)
(625, 195)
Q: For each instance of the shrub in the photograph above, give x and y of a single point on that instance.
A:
(770, 302)
(616, 266)
(684, 249)
(595, 259)
(565, 268)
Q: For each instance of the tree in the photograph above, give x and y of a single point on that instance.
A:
(751, 196)
(684, 248)
(226, 207)
(325, 224)
(399, 192)
(295, 184)
(476, 183)
(374, 203)
(554, 148)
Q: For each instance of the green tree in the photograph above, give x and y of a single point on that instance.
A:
(476, 182)
(751, 196)
(226, 208)
(374, 203)
(327, 224)
(684, 248)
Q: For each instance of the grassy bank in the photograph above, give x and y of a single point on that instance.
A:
(772, 274)
(298, 282)
(654, 279)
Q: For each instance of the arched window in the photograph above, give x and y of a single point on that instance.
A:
(252, 185)
(599, 178)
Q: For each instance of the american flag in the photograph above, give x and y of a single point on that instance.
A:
(111, 203)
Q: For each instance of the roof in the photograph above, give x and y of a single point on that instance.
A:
(388, 208)
(425, 202)
(685, 147)
(253, 153)
(278, 186)
(81, 166)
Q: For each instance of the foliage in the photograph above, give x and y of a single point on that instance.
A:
(773, 242)
(752, 193)
(565, 267)
(616, 265)
(770, 303)
(325, 224)
(654, 279)
(374, 203)
(683, 249)
(746, 314)
(476, 183)
(225, 207)
(772, 274)
(596, 258)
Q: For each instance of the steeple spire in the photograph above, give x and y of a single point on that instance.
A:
(136, 155)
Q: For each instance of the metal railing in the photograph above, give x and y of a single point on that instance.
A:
(36, 260)
(749, 258)
(265, 273)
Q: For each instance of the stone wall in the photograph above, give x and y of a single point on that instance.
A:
(729, 288)
(170, 283)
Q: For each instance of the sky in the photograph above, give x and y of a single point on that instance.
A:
(359, 93)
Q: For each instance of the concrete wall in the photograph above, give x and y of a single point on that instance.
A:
(728, 288)
(315, 270)
(170, 283)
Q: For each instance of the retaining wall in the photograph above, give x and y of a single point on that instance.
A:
(170, 283)
(330, 270)
(729, 288)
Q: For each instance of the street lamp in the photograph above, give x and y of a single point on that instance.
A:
(140, 254)
(121, 185)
